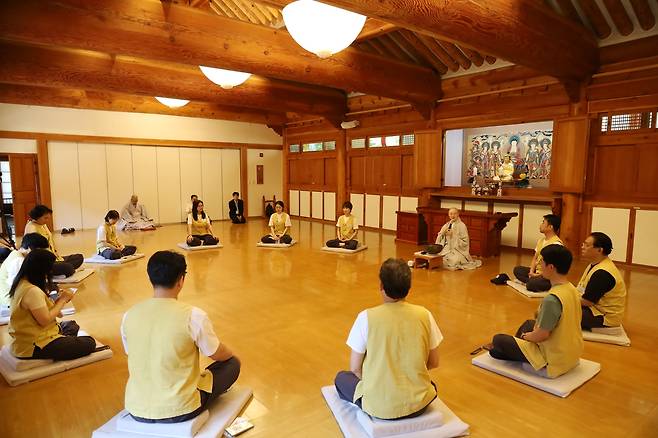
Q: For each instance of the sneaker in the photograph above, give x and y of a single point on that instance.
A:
(65, 231)
(500, 279)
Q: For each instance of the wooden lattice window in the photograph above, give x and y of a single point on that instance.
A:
(628, 121)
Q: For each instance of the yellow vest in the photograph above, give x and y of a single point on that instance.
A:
(33, 227)
(395, 379)
(543, 243)
(279, 224)
(613, 303)
(346, 225)
(561, 351)
(110, 237)
(163, 360)
(199, 226)
(24, 329)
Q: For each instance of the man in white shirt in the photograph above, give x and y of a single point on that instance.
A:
(163, 338)
(188, 207)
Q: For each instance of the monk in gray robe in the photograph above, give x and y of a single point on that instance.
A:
(454, 239)
(134, 216)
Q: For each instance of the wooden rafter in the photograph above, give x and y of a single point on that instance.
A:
(473, 55)
(218, 5)
(374, 28)
(456, 54)
(596, 18)
(142, 28)
(569, 11)
(619, 16)
(29, 65)
(379, 47)
(253, 18)
(398, 52)
(643, 13)
(439, 52)
(424, 51)
(408, 48)
(111, 101)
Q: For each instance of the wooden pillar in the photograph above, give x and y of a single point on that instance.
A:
(286, 171)
(570, 230)
(44, 174)
(428, 163)
(244, 178)
(341, 171)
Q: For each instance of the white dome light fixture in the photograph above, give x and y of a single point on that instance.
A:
(171, 102)
(226, 79)
(322, 29)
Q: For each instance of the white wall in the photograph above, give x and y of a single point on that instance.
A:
(272, 178)
(26, 118)
(89, 179)
(18, 146)
(452, 175)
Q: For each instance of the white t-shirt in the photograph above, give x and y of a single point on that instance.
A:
(200, 328)
(288, 223)
(358, 337)
(8, 271)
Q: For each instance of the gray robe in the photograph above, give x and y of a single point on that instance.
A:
(456, 247)
(134, 217)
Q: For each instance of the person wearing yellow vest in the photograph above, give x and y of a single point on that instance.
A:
(346, 230)
(393, 347)
(107, 243)
(554, 340)
(199, 226)
(64, 265)
(603, 288)
(163, 337)
(12, 264)
(279, 226)
(33, 323)
(532, 275)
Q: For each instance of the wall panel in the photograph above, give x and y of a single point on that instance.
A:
(304, 203)
(211, 184)
(357, 172)
(358, 202)
(119, 163)
(190, 178)
(533, 215)
(169, 185)
(230, 177)
(451, 203)
(390, 204)
(64, 184)
(614, 223)
(294, 202)
(510, 234)
(408, 203)
(145, 179)
(316, 205)
(476, 206)
(372, 211)
(93, 184)
(646, 238)
(330, 206)
(271, 161)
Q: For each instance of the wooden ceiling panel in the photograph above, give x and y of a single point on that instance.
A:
(408, 48)
(643, 13)
(619, 16)
(398, 52)
(455, 54)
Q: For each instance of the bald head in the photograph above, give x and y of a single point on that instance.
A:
(453, 214)
(133, 199)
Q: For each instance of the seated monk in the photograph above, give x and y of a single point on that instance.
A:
(279, 226)
(64, 265)
(346, 230)
(33, 322)
(134, 216)
(604, 292)
(554, 340)
(163, 337)
(107, 243)
(393, 347)
(453, 242)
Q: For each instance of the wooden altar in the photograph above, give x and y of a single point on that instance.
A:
(483, 228)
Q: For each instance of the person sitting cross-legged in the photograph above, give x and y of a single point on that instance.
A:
(346, 230)
(163, 338)
(107, 243)
(279, 226)
(14, 261)
(393, 347)
(199, 227)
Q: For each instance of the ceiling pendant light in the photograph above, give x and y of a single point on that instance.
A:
(171, 102)
(226, 79)
(322, 29)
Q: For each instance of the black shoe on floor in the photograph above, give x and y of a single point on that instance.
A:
(500, 279)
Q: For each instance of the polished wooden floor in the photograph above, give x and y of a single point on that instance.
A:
(287, 313)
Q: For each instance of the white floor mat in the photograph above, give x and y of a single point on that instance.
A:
(345, 251)
(222, 412)
(561, 386)
(348, 415)
(75, 278)
(276, 245)
(36, 369)
(66, 310)
(601, 336)
(186, 247)
(520, 288)
(102, 260)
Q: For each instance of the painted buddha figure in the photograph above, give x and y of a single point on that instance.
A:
(506, 170)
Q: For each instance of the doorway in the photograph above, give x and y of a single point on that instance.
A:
(20, 191)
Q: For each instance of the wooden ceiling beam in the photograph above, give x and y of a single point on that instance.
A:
(265, 18)
(253, 18)
(226, 11)
(643, 13)
(490, 59)
(473, 55)
(379, 47)
(456, 54)
(374, 28)
(596, 18)
(408, 48)
(146, 29)
(28, 65)
(110, 101)
(524, 32)
(424, 51)
(569, 11)
(439, 52)
(398, 52)
(619, 16)
(236, 11)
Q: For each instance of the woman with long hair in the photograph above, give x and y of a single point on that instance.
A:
(199, 228)
(33, 322)
(107, 243)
